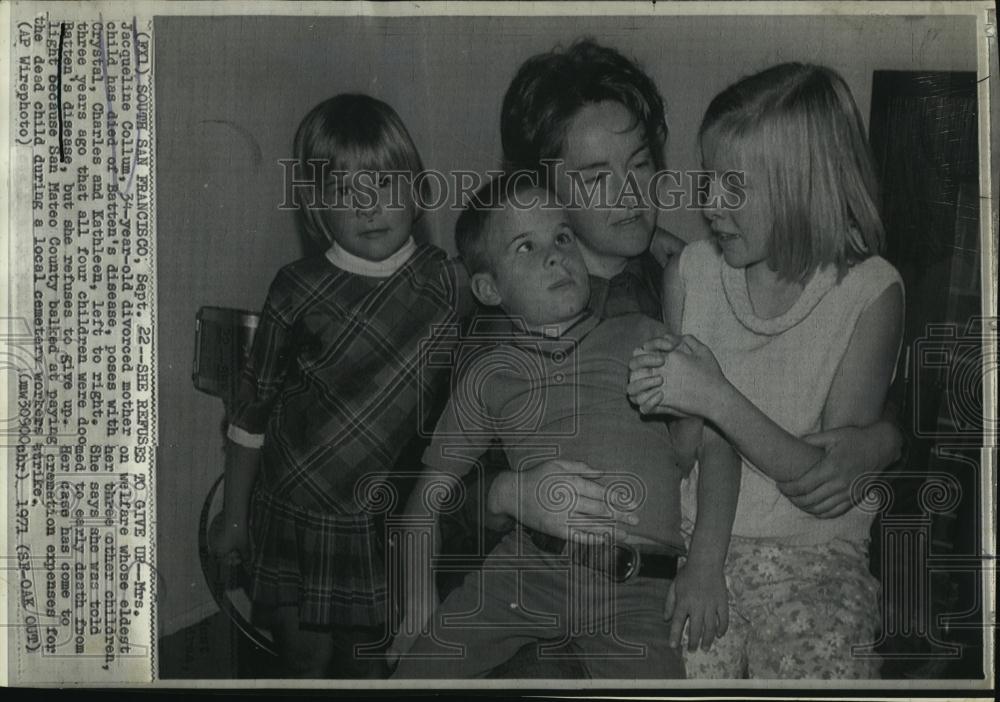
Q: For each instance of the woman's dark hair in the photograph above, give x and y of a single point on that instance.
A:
(550, 88)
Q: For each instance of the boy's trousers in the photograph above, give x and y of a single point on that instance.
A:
(523, 595)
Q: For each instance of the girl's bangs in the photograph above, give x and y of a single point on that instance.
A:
(739, 145)
(376, 155)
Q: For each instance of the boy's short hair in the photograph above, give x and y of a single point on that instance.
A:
(471, 227)
(799, 124)
(550, 88)
(351, 131)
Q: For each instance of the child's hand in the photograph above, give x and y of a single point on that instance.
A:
(646, 372)
(418, 609)
(229, 540)
(698, 598)
(682, 378)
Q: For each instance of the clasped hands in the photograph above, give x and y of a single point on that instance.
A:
(675, 375)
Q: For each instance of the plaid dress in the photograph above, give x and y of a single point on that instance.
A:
(334, 383)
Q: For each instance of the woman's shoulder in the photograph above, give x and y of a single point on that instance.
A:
(698, 258)
(700, 252)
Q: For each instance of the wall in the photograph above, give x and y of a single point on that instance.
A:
(230, 92)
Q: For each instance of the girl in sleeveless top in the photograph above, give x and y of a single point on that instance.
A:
(792, 325)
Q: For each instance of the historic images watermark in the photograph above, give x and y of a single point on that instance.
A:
(317, 185)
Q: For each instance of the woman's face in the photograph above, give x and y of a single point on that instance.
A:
(743, 234)
(607, 150)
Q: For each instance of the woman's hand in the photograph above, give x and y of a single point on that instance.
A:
(676, 375)
(698, 598)
(540, 499)
(665, 246)
(825, 490)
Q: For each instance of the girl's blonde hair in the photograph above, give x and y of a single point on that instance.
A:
(351, 132)
(800, 126)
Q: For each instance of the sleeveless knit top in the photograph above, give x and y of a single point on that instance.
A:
(785, 366)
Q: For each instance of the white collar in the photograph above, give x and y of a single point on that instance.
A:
(346, 261)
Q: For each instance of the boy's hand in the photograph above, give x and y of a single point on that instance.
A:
(665, 246)
(697, 597)
(229, 540)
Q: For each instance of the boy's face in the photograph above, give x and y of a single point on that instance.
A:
(538, 273)
(606, 137)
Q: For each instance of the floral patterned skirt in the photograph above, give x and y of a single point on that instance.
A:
(795, 612)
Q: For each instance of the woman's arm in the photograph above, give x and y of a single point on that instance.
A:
(825, 490)
(695, 385)
(520, 496)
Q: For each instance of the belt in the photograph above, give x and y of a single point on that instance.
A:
(621, 562)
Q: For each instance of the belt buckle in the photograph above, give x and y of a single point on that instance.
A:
(626, 563)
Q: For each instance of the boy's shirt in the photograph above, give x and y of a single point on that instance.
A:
(565, 397)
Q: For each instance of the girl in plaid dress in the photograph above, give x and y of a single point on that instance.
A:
(331, 393)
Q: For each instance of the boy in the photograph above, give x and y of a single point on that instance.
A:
(554, 386)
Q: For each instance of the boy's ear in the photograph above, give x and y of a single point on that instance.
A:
(484, 287)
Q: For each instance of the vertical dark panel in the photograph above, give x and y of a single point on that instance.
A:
(924, 139)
